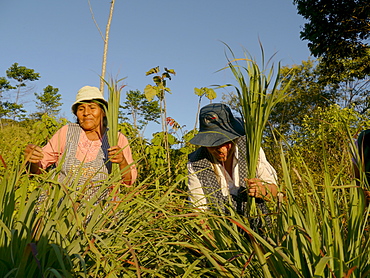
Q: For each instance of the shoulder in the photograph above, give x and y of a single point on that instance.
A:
(241, 140)
(62, 131)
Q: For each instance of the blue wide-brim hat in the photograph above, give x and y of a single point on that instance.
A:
(217, 125)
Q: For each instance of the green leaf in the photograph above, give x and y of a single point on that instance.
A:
(153, 70)
(150, 92)
(171, 71)
(157, 80)
(210, 93)
(320, 267)
(166, 75)
(199, 92)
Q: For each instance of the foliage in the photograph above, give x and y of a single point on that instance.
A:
(141, 110)
(258, 94)
(21, 75)
(337, 31)
(305, 94)
(326, 132)
(18, 134)
(207, 92)
(318, 231)
(114, 99)
(159, 90)
(21, 255)
(12, 110)
(151, 155)
(48, 102)
(231, 100)
(309, 91)
(4, 85)
(112, 111)
(160, 81)
(201, 92)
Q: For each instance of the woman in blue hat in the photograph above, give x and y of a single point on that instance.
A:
(217, 170)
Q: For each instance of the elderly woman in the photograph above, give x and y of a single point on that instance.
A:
(218, 171)
(83, 147)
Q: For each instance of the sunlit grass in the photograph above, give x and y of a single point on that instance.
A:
(151, 231)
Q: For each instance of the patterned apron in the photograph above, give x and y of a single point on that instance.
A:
(88, 176)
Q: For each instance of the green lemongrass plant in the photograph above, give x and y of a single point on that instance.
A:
(25, 250)
(259, 92)
(112, 112)
(321, 230)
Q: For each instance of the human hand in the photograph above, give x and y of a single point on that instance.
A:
(33, 153)
(257, 188)
(115, 154)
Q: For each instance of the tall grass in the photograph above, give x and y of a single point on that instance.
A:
(152, 232)
(22, 255)
(112, 113)
(258, 92)
(320, 230)
(327, 236)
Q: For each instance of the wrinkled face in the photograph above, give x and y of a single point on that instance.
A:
(90, 116)
(222, 152)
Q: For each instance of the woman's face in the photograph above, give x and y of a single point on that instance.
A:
(90, 116)
(222, 152)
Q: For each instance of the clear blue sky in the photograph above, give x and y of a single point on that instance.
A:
(59, 40)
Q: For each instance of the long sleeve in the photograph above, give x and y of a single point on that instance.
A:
(195, 189)
(265, 171)
(54, 148)
(124, 144)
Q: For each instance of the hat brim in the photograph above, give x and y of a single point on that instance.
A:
(213, 138)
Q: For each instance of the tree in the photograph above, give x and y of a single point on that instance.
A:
(309, 89)
(141, 110)
(338, 32)
(159, 90)
(22, 75)
(305, 94)
(354, 93)
(48, 102)
(308, 93)
(11, 110)
(4, 85)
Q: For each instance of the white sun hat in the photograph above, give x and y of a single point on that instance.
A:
(87, 93)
